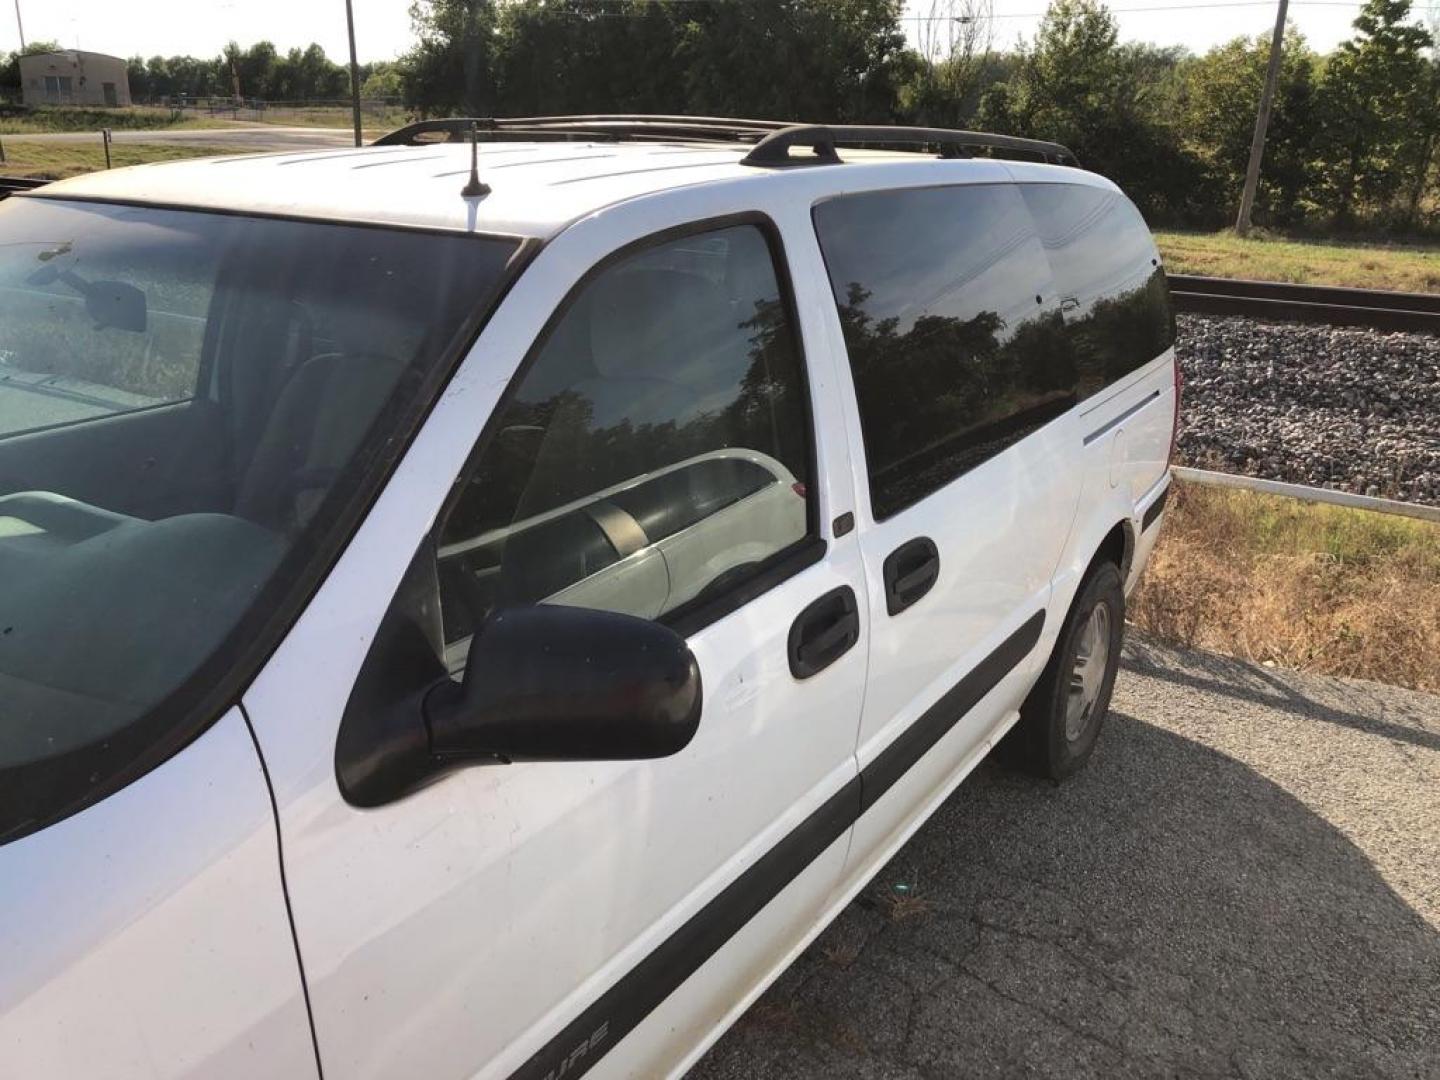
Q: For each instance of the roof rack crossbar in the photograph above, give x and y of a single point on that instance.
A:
(773, 151)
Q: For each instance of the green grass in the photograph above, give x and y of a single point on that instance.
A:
(66, 118)
(1371, 266)
(1279, 526)
(55, 161)
(48, 119)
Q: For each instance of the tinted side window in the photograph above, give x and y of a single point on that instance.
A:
(656, 448)
(1112, 290)
(953, 331)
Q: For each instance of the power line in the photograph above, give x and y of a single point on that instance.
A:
(1203, 5)
(572, 8)
(1137, 10)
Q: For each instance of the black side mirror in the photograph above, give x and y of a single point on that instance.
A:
(543, 683)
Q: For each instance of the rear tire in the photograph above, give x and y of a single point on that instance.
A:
(1062, 717)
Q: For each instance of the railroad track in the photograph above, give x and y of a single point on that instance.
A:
(1376, 309)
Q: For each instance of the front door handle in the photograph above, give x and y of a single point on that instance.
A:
(910, 572)
(825, 631)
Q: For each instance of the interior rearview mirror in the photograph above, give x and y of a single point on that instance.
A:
(116, 304)
(543, 683)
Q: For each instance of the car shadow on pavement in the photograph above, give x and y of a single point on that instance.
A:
(1245, 681)
(1169, 912)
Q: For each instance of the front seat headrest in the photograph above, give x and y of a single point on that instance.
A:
(645, 323)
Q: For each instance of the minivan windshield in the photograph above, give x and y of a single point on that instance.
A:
(187, 402)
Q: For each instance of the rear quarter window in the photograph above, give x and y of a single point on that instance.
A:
(953, 330)
(1112, 289)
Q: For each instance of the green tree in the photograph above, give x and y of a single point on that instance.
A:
(1221, 92)
(573, 56)
(1428, 117)
(830, 60)
(1373, 105)
(952, 61)
(452, 67)
(256, 68)
(138, 74)
(382, 81)
(1076, 84)
(818, 60)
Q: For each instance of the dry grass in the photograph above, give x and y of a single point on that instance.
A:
(1301, 585)
(372, 120)
(898, 907)
(1404, 268)
(55, 161)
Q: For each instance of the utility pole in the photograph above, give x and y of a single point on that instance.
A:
(1262, 122)
(20, 25)
(354, 69)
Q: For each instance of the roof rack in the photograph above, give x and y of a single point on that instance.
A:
(596, 125)
(773, 150)
(773, 139)
(11, 184)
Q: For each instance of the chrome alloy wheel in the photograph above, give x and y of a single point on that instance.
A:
(1092, 656)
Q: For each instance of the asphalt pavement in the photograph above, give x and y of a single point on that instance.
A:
(1244, 883)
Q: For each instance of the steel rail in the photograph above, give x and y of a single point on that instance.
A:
(1376, 309)
(1321, 294)
(1310, 494)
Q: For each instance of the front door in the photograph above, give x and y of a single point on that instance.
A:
(656, 454)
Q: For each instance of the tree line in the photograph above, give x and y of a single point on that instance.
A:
(1352, 140)
(260, 72)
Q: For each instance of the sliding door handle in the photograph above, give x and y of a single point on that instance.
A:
(910, 572)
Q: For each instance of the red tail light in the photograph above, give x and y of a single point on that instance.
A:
(1175, 425)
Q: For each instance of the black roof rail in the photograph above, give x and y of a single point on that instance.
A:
(454, 128)
(595, 125)
(773, 139)
(728, 123)
(11, 184)
(773, 151)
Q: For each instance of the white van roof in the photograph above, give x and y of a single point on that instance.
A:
(537, 188)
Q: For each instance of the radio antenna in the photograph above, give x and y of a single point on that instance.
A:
(473, 188)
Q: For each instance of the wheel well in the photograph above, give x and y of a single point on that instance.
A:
(1118, 547)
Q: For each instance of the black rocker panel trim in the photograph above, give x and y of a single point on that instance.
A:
(915, 741)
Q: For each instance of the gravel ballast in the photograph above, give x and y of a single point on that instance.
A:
(1354, 410)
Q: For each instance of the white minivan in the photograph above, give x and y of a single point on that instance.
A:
(477, 605)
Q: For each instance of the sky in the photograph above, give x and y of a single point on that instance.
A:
(382, 27)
